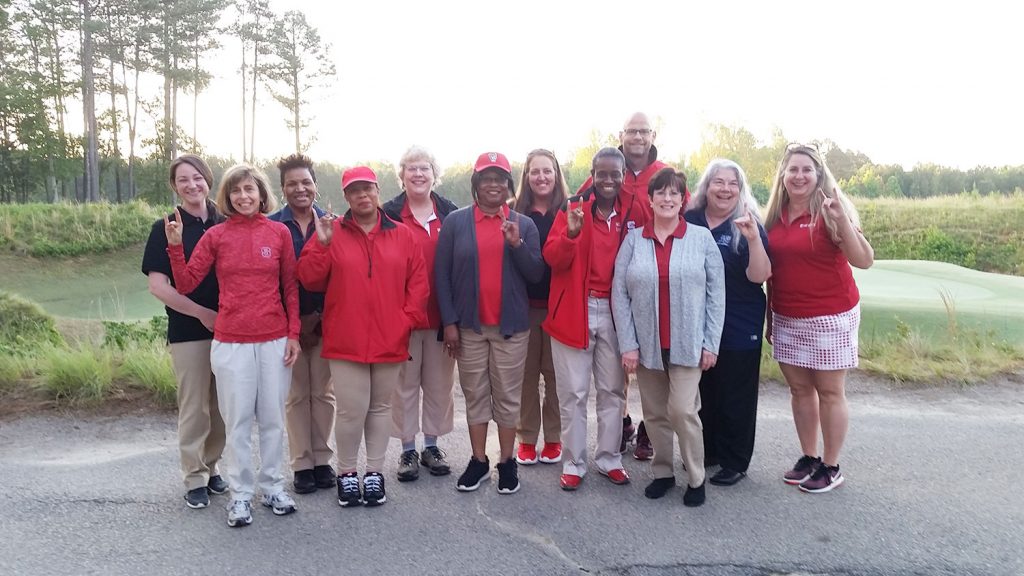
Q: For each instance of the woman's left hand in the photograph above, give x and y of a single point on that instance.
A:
(291, 351)
(708, 360)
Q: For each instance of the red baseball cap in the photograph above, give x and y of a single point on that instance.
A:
(357, 174)
(492, 160)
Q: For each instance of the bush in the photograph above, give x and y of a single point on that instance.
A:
(74, 229)
(122, 335)
(13, 369)
(82, 375)
(149, 368)
(24, 326)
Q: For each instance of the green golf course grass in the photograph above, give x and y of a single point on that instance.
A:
(111, 287)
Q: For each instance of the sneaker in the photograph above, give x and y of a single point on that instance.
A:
(348, 490)
(197, 498)
(281, 503)
(824, 479)
(644, 450)
(324, 476)
(628, 432)
(216, 485)
(694, 496)
(373, 489)
(476, 472)
(526, 454)
(408, 466)
(802, 471)
(552, 453)
(727, 477)
(570, 482)
(508, 476)
(617, 476)
(436, 461)
(304, 482)
(659, 487)
(239, 513)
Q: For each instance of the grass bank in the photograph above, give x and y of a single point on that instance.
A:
(54, 230)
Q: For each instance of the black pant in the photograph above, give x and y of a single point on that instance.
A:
(728, 395)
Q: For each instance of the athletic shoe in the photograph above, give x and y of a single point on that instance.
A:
(348, 490)
(435, 460)
(408, 466)
(802, 471)
(476, 472)
(239, 513)
(617, 476)
(281, 503)
(526, 454)
(628, 432)
(644, 450)
(324, 476)
(197, 498)
(694, 496)
(216, 485)
(508, 477)
(304, 482)
(570, 482)
(552, 453)
(373, 489)
(824, 479)
(659, 487)
(726, 477)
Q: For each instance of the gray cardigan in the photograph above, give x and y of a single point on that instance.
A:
(457, 273)
(696, 289)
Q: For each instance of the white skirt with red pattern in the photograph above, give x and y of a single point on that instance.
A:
(819, 342)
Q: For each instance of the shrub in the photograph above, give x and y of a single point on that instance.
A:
(24, 326)
(122, 335)
(149, 367)
(81, 375)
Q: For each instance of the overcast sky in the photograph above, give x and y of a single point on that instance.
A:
(903, 82)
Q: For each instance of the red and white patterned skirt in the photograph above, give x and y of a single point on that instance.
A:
(818, 342)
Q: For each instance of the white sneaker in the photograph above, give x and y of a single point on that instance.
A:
(281, 503)
(239, 513)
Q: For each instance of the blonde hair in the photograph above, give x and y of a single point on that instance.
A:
(779, 198)
(233, 177)
(413, 154)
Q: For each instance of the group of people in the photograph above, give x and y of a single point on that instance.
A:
(352, 326)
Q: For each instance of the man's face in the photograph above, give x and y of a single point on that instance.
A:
(299, 189)
(637, 136)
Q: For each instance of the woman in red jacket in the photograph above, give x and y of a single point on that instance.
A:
(375, 283)
(255, 336)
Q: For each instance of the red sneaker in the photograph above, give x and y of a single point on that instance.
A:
(527, 454)
(617, 476)
(570, 482)
(551, 453)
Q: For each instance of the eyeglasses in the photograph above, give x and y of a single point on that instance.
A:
(419, 168)
(640, 131)
(493, 179)
(798, 145)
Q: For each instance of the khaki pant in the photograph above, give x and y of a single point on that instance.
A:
(364, 393)
(574, 368)
(671, 401)
(310, 411)
(532, 407)
(430, 373)
(200, 426)
(491, 375)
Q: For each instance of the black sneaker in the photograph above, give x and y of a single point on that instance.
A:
(373, 489)
(694, 496)
(197, 498)
(475, 472)
(408, 466)
(217, 485)
(802, 470)
(324, 476)
(305, 482)
(435, 460)
(348, 490)
(659, 487)
(508, 476)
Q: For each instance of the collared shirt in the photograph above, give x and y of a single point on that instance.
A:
(490, 242)
(663, 253)
(606, 239)
(426, 234)
(309, 302)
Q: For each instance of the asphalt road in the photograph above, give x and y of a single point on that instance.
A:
(932, 488)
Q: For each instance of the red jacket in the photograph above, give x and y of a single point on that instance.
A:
(255, 264)
(569, 259)
(634, 186)
(375, 289)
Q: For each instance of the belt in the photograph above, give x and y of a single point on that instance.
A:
(602, 294)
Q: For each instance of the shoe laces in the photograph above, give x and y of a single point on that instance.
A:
(282, 499)
(350, 483)
(408, 458)
(373, 483)
(806, 461)
(239, 508)
(822, 471)
(436, 452)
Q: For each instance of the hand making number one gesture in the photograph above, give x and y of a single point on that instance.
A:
(510, 229)
(325, 226)
(575, 218)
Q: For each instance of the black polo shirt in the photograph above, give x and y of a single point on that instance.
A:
(180, 327)
(309, 302)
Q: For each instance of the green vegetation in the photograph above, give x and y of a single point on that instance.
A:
(24, 325)
(76, 375)
(74, 229)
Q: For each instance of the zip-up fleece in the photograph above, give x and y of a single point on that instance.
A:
(569, 259)
(634, 186)
(255, 266)
(375, 289)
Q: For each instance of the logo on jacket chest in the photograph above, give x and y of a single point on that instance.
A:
(266, 252)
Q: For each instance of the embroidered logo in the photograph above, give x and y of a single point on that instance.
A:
(724, 239)
(265, 252)
(492, 156)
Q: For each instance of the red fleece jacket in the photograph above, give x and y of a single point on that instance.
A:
(255, 264)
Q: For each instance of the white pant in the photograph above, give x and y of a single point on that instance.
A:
(252, 384)
(573, 368)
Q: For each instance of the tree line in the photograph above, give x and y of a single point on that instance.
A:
(105, 55)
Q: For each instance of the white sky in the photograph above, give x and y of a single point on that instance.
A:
(903, 82)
